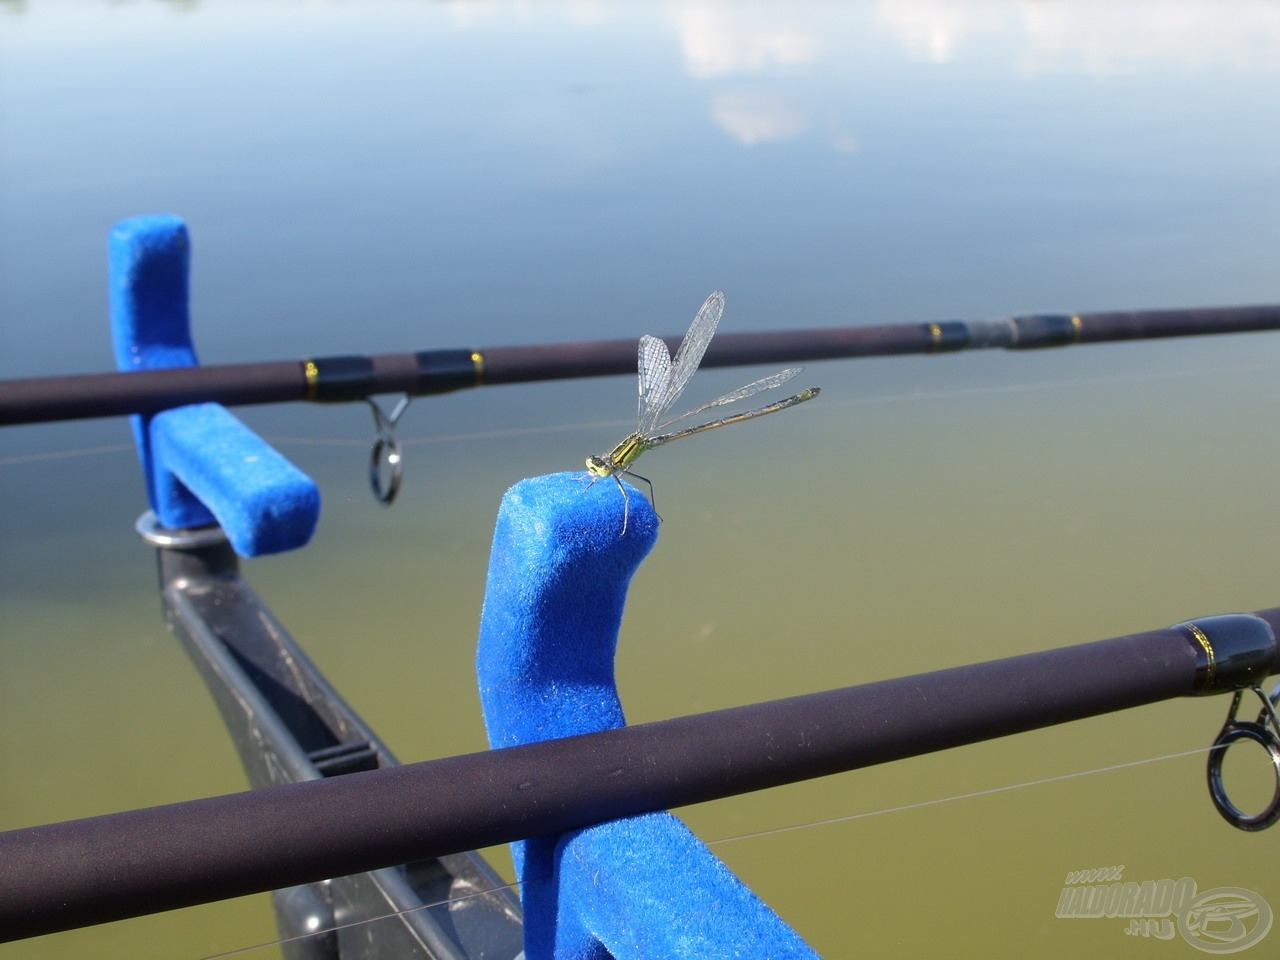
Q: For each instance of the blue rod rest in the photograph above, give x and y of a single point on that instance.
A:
(639, 887)
(201, 464)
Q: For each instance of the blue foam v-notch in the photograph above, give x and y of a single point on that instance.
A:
(200, 463)
(638, 888)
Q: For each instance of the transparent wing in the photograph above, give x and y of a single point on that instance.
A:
(687, 358)
(733, 396)
(654, 366)
(801, 397)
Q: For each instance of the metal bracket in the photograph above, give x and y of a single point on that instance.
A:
(290, 725)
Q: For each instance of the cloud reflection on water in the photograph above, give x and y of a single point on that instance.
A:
(723, 44)
(1089, 38)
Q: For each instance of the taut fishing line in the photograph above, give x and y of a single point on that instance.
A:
(927, 395)
(959, 796)
(501, 434)
(755, 835)
(240, 951)
(65, 454)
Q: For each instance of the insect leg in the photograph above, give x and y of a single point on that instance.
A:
(648, 483)
(626, 503)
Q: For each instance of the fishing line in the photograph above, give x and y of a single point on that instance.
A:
(240, 951)
(927, 395)
(64, 454)
(577, 427)
(959, 796)
(583, 426)
(1074, 382)
(458, 437)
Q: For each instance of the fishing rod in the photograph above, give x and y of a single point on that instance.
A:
(356, 377)
(78, 873)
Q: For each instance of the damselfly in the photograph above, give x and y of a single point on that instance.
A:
(662, 380)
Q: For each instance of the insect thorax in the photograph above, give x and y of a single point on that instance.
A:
(618, 459)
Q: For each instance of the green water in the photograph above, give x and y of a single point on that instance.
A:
(404, 176)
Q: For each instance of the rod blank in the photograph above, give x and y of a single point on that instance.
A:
(83, 872)
(83, 396)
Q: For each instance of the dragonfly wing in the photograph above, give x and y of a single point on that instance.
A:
(691, 351)
(654, 366)
(733, 396)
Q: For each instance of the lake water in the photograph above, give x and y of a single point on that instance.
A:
(396, 176)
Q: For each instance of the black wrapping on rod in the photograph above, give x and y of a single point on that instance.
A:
(41, 399)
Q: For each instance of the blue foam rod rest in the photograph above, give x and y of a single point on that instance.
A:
(200, 463)
(638, 888)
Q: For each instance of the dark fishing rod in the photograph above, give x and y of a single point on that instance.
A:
(346, 378)
(82, 872)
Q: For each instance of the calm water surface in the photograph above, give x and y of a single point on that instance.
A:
(396, 176)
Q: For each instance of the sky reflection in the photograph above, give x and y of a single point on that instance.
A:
(390, 176)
